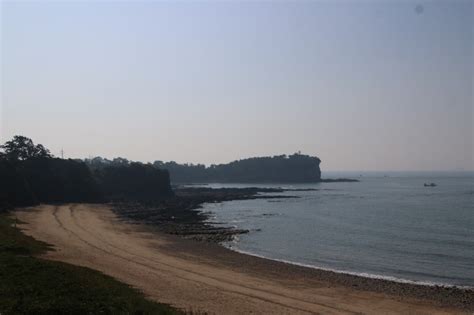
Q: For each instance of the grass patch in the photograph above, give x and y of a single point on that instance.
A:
(31, 285)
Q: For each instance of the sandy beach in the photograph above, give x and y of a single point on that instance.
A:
(207, 277)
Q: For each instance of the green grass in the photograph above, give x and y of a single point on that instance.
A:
(31, 285)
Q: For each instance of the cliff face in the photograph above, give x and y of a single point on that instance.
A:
(296, 168)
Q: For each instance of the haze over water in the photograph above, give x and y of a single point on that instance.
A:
(391, 227)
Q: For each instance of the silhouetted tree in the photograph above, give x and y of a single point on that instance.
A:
(29, 175)
(22, 148)
(120, 162)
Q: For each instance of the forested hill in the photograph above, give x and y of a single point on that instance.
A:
(295, 168)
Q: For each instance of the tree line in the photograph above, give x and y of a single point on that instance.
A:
(30, 174)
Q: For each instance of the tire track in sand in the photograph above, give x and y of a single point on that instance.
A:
(91, 236)
(172, 269)
(154, 269)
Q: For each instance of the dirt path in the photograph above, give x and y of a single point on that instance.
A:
(92, 236)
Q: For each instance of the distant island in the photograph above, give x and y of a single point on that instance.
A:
(295, 168)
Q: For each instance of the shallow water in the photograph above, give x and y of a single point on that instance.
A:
(391, 227)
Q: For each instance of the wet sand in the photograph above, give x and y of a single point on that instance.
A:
(207, 277)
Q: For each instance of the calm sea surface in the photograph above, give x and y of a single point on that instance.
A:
(390, 227)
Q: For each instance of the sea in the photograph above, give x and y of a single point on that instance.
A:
(388, 226)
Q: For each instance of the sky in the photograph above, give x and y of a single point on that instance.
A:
(363, 85)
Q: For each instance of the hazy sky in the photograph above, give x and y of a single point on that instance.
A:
(382, 85)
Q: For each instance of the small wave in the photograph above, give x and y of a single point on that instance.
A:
(235, 239)
(353, 273)
(265, 215)
(211, 218)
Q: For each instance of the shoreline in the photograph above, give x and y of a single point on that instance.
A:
(357, 274)
(441, 295)
(210, 277)
(223, 232)
(190, 222)
(182, 214)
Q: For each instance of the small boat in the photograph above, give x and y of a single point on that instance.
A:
(430, 185)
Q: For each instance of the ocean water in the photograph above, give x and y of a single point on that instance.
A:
(386, 226)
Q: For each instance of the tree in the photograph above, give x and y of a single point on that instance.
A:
(118, 161)
(22, 148)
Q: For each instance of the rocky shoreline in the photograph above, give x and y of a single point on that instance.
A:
(181, 215)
